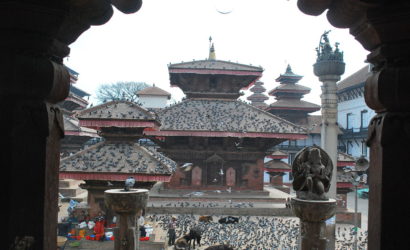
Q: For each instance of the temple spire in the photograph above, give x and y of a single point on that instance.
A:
(289, 69)
(212, 55)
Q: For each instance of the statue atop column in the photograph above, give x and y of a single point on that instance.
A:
(312, 172)
(325, 51)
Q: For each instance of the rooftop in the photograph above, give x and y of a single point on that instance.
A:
(294, 104)
(278, 165)
(213, 65)
(356, 79)
(72, 127)
(213, 115)
(115, 110)
(113, 157)
(153, 91)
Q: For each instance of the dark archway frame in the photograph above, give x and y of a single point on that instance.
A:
(35, 39)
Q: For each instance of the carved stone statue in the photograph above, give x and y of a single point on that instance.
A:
(312, 172)
(325, 51)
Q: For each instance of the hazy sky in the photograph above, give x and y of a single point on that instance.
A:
(267, 33)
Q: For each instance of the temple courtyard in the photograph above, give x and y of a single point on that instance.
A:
(261, 219)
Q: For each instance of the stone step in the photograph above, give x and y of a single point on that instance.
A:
(68, 183)
(71, 192)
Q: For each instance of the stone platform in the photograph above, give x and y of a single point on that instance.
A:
(269, 194)
(109, 245)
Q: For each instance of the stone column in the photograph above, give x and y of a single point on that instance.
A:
(329, 67)
(313, 214)
(126, 204)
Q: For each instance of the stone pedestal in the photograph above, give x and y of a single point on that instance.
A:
(126, 204)
(313, 214)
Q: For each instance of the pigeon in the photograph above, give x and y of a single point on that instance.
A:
(129, 183)
(187, 167)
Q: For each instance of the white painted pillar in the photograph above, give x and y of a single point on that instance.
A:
(329, 129)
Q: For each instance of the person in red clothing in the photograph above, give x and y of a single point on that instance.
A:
(99, 225)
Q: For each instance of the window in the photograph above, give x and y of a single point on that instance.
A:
(349, 121)
(349, 147)
(364, 148)
(212, 83)
(291, 158)
(364, 120)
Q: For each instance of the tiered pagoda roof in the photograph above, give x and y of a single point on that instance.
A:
(223, 118)
(278, 154)
(212, 78)
(122, 114)
(211, 109)
(116, 161)
(119, 156)
(277, 166)
(289, 94)
(72, 127)
(257, 98)
(76, 97)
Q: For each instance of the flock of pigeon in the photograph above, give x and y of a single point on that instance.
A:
(222, 115)
(117, 110)
(126, 157)
(211, 204)
(253, 232)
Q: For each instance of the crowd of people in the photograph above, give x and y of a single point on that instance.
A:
(221, 115)
(251, 232)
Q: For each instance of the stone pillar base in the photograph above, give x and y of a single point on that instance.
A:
(126, 204)
(313, 215)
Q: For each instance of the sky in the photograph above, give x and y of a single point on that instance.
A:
(267, 33)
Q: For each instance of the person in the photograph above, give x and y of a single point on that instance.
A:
(171, 231)
(83, 217)
(99, 225)
(141, 223)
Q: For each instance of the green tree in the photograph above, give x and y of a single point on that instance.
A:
(119, 91)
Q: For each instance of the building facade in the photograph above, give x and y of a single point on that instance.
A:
(153, 97)
(353, 113)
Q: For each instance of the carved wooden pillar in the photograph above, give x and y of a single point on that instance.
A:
(383, 28)
(30, 82)
(34, 40)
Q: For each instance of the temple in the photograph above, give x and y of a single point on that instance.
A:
(288, 97)
(75, 136)
(108, 163)
(258, 98)
(276, 168)
(225, 139)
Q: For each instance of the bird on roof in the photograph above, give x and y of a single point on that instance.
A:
(186, 167)
(129, 183)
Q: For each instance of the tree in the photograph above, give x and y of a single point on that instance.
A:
(120, 91)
